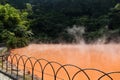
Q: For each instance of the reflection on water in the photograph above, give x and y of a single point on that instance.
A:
(99, 56)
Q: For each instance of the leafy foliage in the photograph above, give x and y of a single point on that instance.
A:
(50, 19)
(14, 26)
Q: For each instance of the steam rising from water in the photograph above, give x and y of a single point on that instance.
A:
(104, 57)
(107, 36)
(77, 32)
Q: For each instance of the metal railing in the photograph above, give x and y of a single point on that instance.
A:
(23, 67)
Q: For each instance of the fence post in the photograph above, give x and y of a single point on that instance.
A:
(6, 63)
(24, 73)
(2, 60)
(32, 74)
(42, 75)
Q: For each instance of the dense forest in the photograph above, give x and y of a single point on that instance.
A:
(59, 21)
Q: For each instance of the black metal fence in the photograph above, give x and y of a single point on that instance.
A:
(29, 68)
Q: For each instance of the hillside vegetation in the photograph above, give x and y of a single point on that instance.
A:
(59, 21)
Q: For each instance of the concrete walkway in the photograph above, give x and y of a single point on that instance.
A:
(2, 48)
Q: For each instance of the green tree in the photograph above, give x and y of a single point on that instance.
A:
(3, 1)
(50, 18)
(14, 26)
(115, 17)
(114, 24)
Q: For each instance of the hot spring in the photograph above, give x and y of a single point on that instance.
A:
(105, 57)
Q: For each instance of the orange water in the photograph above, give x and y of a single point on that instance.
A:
(105, 57)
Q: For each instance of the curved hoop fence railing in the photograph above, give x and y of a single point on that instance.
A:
(30, 68)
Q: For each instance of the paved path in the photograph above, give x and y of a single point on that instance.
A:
(2, 48)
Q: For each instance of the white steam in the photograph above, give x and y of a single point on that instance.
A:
(77, 32)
